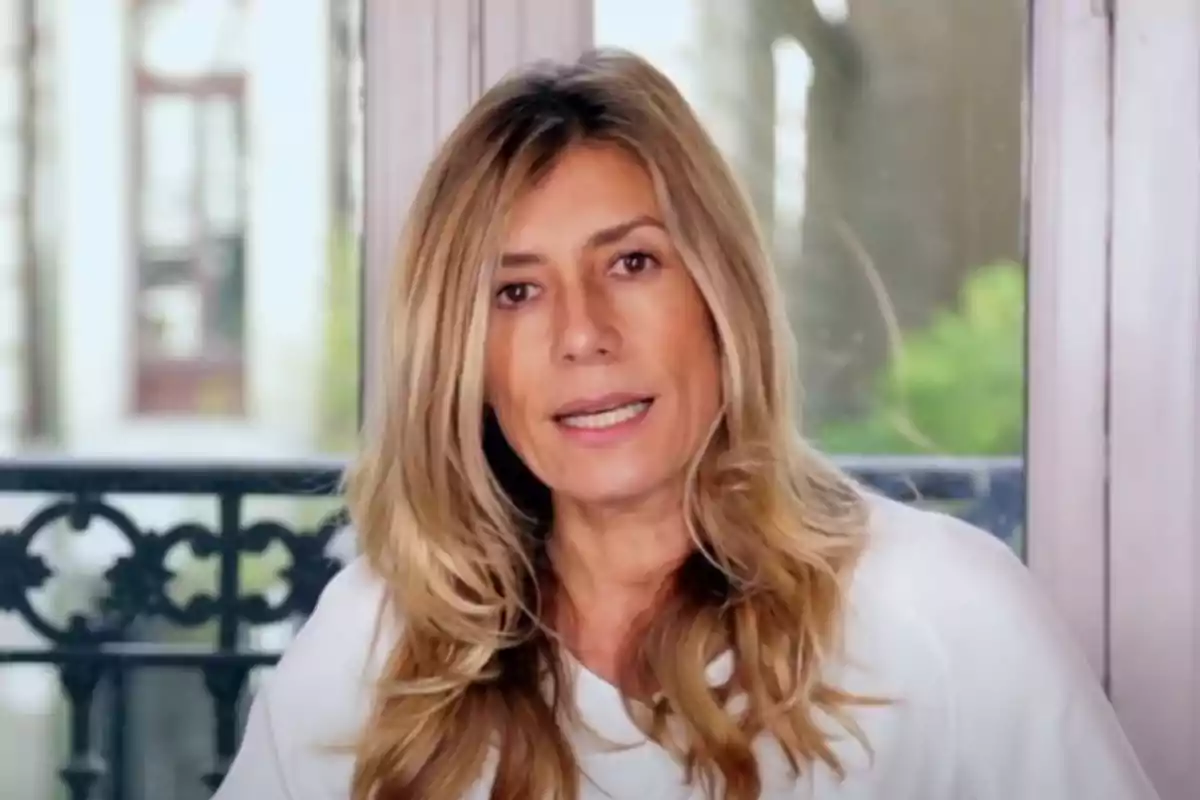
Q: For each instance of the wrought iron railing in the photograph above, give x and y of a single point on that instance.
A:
(96, 653)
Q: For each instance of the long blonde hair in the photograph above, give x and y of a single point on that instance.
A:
(456, 525)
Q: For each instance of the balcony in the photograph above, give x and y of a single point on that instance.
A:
(137, 643)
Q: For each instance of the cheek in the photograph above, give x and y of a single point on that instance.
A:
(705, 372)
(497, 370)
(507, 382)
(694, 339)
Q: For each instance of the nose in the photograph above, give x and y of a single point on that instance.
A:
(587, 331)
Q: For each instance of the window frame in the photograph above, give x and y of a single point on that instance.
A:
(431, 42)
(450, 50)
(1091, 113)
(1069, 201)
(167, 386)
(1154, 456)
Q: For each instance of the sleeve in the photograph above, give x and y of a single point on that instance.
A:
(298, 741)
(1031, 721)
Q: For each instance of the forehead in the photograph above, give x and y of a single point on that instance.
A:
(590, 187)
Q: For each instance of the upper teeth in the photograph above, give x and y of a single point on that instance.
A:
(606, 419)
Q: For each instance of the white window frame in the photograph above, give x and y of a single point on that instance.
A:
(1114, 303)
(1154, 446)
(419, 77)
(1068, 191)
(447, 50)
(426, 62)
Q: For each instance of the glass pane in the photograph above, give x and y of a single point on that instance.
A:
(169, 170)
(179, 271)
(881, 144)
(223, 150)
(186, 38)
(171, 313)
(192, 250)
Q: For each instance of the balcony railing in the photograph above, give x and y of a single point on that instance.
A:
(96, 654)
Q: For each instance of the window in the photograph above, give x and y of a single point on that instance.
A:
(1089, 501)
(189, 206)
(881, 145)
(170, 170)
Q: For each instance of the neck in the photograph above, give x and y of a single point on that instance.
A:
(612, 566)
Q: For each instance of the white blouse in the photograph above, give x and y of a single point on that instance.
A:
(992, 699)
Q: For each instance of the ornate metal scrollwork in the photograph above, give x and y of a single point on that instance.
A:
(138, 582)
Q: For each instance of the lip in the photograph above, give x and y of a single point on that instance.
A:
(610, 435)
(593, 405)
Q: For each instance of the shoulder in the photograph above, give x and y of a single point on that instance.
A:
(315, 700)
(948, 608)
(977, 602)
(996, 656)
(333, 662)
(905, 537)
(343, 639)
(931, 557)
(299, 739)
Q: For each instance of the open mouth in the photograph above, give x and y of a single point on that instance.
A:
(606, 418)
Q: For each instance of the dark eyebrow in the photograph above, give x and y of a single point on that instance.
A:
(602, 237)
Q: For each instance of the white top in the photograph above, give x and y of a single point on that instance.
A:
(994, 700)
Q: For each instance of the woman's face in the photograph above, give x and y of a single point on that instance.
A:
(602, 367)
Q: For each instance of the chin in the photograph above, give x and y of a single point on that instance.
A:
(613, 486)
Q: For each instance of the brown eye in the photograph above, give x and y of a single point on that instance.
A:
(635, 262)
(514, 294)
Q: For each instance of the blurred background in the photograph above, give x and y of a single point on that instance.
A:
(180, 211)
(184, 309)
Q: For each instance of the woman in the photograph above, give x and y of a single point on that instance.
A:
(599, 562)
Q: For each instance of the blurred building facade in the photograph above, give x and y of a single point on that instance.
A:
(177, 209)
(172, 211)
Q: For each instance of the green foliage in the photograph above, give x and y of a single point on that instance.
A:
(339, 401)
(954, 387)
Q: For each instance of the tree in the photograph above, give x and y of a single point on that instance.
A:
(913, 174)
(913, 170)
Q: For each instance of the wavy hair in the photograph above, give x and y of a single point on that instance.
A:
(456, 525)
